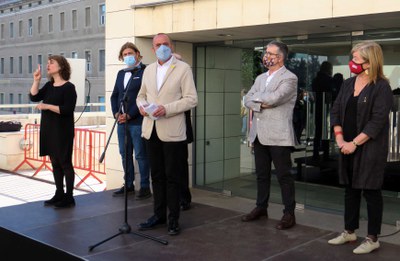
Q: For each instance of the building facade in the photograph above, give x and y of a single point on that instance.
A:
(223, 41)
(30, 31)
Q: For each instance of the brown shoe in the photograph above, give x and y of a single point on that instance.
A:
(255, 214)
(288, 220)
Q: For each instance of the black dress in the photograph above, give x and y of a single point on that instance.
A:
(57, 130)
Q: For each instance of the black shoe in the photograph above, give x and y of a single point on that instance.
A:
(151, 223)
(185, 206)
(121, 191)
(55, 199)
(173, 227)
(143, 193)
(67, 202)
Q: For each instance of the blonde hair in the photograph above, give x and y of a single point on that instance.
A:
(371, 52)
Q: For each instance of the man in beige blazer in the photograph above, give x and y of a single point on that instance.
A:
(167, 91)
(272, 98)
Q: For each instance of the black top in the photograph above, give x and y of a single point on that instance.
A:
(57, 130)
(373, 107)
(350, 119)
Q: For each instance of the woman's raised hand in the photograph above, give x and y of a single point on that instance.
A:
(37, 74)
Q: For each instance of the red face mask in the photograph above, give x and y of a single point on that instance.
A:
(356, 68)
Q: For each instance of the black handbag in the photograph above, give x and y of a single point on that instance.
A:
(10, 126)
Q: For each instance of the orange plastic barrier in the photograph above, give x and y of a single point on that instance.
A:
(88, 147)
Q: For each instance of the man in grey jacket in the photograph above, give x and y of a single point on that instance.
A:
(272, 98)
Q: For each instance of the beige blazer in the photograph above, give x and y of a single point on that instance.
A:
(177, 94)
(273, 126)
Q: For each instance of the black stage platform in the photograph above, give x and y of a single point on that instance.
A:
(208, 233)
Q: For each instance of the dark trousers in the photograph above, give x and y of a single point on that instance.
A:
(167, 161)
(280, 156)
(62, 167)
(374, 209)
(352, 203)
(186, 196)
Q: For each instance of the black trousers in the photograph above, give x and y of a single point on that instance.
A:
(352, 203)
(62, 167)
(280, 156)
(167, 164)
(186, 196)
(374, 209)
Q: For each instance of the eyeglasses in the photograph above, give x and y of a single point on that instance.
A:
(271, 54)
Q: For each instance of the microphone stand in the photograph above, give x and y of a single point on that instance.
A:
(125, 228)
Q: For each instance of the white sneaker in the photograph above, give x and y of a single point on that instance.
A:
(343, 238)
(367, 246)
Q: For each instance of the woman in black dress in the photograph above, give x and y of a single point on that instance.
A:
(360, 118)
(58, 98)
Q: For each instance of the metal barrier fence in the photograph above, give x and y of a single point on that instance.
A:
(88, 147)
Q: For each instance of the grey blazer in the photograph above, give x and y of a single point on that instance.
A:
(273, 126)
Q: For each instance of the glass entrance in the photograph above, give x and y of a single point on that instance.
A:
(223, 157)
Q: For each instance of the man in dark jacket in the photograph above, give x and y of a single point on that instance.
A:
(322, 85)
(128, 81)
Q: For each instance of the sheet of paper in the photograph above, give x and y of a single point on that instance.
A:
(149, 109)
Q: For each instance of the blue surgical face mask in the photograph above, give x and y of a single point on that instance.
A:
(130, 60)
(163, 53)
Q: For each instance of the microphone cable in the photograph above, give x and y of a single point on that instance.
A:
(87, 100)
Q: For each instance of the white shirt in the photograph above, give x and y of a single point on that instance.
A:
(126, 78)
(162, 71)
(270, 76)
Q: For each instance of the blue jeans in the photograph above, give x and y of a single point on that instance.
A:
(137, 144)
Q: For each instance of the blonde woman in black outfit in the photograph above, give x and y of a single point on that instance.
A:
(360, 118)
(58, 98)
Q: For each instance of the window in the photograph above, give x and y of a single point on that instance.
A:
(74, 55)
(102, 14)
(40, 24)
(50, 23)
(2, 31)
(30, 27)
(40, 62)
(20, 28)
(30, 64)
(11, 99)
(2, 98)
(62, 21)
(2, 65)
(20, 100)
(88, 61)
(102, 60)
(20, 65)
(11, 65)
(74, 19)
(11, 30)
(101, 99)
(87, 16)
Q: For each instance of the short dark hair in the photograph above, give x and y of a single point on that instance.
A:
(326, 67)
(65, 68)
(283, 49)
